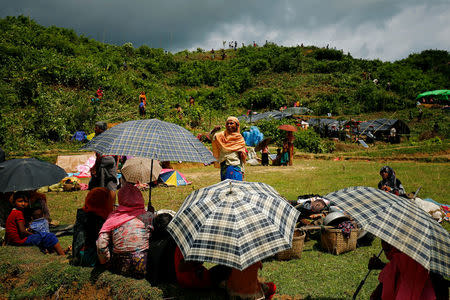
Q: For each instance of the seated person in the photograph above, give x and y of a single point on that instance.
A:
(126, 231)
(402, 277)
(245, 284)
(98, 204)
(309, 205)
(39, 223)
(18, 235)
(390, 183)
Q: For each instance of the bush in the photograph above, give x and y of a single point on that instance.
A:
(308, 141)
(264, 98)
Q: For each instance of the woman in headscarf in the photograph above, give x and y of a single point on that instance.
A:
(390, 183)
(127, 231)
(229, 150)
(99, 203)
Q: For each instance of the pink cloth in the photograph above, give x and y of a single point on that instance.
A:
(404, 278)
(131, 205)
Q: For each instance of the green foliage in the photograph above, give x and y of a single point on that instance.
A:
(49, 75)
(307, 141)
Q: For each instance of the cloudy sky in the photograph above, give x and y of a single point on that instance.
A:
(372, 29)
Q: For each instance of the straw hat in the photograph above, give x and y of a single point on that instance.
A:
(138, 170)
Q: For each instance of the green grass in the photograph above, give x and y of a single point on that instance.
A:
(28, 273)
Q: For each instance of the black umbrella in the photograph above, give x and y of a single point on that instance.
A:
(27, 174)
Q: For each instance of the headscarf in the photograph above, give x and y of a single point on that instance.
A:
(99, 201)
(131, 205)
(229, 141)
(391, 176)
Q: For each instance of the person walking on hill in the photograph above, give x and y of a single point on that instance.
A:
(142, 103)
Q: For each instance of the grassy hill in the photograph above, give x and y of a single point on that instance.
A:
(49, 75)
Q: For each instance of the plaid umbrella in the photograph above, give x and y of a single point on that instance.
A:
(153, 139)
(400, 223)
(233, 223)
(27, 174)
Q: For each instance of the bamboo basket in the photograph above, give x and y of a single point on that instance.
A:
(333, 241)
(298, 240)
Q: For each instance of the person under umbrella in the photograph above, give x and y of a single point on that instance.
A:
(98, 204)
(104, 170)
(404, 278)
(126, 231)
(229, 150)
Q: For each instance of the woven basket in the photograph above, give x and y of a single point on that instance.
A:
(334, 241)
(298, 241)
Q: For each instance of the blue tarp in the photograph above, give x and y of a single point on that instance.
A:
(253, 137)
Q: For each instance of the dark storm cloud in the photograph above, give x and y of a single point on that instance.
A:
(369, 29)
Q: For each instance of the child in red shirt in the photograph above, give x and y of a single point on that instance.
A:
(17, 234)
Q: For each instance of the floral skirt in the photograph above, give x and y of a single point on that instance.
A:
(133, 264)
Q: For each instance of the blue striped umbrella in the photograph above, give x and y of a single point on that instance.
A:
(399, 222)
(153, 139)
(233, 223)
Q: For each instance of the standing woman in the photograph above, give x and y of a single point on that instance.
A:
(229, 150)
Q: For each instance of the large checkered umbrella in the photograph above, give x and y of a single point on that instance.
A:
(151, 138)
(233, 223)
(399, 222)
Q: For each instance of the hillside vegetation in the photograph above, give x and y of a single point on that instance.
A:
(49, 75)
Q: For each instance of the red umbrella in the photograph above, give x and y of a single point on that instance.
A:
(288, 127)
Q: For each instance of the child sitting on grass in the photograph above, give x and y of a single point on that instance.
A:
(17, 234)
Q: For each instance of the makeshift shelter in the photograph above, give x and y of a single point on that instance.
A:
(381, 128)
(172, 177)
(70, 163)
(298, 111)
(269, 115)
(435, 97)
(326, 127)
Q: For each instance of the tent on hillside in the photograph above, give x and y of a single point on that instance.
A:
(434, 97)
(298, 111)
(269, 115)
(172, 177)
(381, 128)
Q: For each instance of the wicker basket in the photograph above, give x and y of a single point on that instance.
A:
(298, 241)
(334, 241)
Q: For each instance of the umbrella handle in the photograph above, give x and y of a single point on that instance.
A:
(150, 206)
(364, 280)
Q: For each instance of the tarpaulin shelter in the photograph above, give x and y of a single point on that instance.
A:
(172, 177)
(270, 115)
(298, 110)
(326, 127)
(440, 95)
(381, 128)
(70, 163)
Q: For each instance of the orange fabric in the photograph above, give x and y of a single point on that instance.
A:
(143, 98)
(245, 283)
(99, 201)
(228, 141)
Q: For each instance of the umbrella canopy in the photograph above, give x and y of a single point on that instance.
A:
(138, 169)
(172, 177)
(288, 127)
(263, 144)
(27, 174)
(399, 222)
(153, 139)
(233, 223)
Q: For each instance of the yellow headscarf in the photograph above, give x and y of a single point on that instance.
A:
(228, 141)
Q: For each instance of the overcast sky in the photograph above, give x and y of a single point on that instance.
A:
(372, 29)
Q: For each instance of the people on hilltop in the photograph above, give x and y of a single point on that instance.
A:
(390, 183)
(18, 232)
(98, 204)
(229, 150)
(123, 241)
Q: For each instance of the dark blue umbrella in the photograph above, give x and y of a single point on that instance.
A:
(154, 139)
(27, 174)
